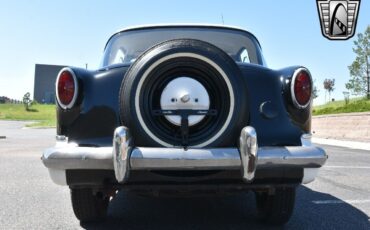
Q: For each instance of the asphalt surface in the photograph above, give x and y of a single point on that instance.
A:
(338, 199)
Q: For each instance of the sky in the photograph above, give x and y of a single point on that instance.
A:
(74, 33)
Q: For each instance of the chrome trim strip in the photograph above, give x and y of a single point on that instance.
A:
(294, 99)
(69, 156)
(121, 153)
(147, 26)
(71, 104)
(72, 157)
(224, 158)
(169, 25)
(248, 149)
(178, 158)
(307, 157)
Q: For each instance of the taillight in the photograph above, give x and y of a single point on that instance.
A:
(301, 88)
(66, 88)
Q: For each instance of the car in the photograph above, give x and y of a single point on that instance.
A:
(184, 109)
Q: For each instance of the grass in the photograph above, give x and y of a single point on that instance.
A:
(43, 115)
(355, 105)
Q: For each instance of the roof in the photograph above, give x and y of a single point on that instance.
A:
(199, 25)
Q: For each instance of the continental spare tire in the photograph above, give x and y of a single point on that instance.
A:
(184, 74)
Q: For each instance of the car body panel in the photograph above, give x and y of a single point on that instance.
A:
(93, 120)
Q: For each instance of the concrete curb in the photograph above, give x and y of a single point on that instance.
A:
(342, 114)
(341, 143)
(39, 127)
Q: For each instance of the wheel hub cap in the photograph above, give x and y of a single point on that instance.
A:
(184, 93)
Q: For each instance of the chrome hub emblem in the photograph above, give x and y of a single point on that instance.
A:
(185, 98)
(184, 93)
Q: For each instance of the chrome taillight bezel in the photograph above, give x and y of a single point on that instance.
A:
(75, 93)
(292, 93)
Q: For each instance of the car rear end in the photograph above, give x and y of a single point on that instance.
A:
(185, 117)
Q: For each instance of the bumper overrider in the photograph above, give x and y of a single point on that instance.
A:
(123, 157)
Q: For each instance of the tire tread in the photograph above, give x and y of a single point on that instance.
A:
(87, 206)
(278, 208)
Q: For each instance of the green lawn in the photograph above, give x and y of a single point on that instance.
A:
(355, 105)
(44, 115)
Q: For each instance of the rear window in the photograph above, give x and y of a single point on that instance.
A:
(126, 46)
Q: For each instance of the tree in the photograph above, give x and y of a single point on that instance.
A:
(329, 86)
(359, 84)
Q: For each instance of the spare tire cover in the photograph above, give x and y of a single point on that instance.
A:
(216, 72)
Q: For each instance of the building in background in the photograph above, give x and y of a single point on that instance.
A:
(44, 89)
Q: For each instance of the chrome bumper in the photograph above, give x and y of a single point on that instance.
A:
(123, 157)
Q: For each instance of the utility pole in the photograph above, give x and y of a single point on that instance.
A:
(86, 65)
(368, 77)
(222, 18)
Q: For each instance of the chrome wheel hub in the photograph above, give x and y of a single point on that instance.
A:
(184, 93)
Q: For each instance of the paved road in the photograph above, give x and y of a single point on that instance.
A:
(338, 199)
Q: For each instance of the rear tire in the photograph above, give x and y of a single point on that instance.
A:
(276, 209)
(88, 206)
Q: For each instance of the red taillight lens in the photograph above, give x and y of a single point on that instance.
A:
(66, 89)
(302, 88)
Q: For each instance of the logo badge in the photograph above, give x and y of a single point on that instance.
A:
(338, 18)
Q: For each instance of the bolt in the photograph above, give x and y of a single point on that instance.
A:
(185, 98)
(196, 100)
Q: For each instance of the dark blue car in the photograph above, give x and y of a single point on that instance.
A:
(184, 109)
